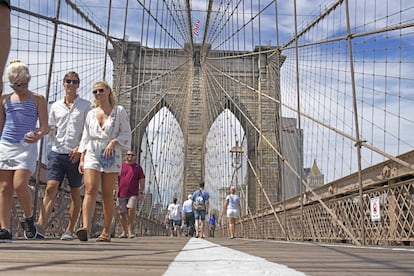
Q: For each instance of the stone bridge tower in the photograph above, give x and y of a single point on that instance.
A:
(148, 81)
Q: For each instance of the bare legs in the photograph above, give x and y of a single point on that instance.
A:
(201, 227)
(93, 180)
(123, 221)
(130, 223)
(48, 202)
(232, 227)
(74, 209)
(18, 181)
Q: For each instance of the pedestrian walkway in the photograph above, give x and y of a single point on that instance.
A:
(215, 256)
(201, 257)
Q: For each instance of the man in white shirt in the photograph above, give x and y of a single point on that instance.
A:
(188, 215)
(66, 119)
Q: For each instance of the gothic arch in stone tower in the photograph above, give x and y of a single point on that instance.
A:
(146, 85)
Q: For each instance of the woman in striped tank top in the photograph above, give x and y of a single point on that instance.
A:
(19, 113)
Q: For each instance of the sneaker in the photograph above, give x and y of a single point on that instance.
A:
(82, 234)
(67, 236)
(123, 236)
(41, 233)
(5, 235)
(29, 228)
(131, 236)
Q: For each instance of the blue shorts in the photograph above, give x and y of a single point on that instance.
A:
(59, 166)
(200, 214)
(174, 223)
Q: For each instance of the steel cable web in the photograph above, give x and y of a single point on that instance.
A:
(341, 79)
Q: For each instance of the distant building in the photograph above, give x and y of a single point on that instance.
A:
(315, 178)
(291, 147)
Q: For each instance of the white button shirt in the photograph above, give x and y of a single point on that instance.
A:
(69, 124)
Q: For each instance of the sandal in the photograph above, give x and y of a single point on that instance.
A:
(104, 238)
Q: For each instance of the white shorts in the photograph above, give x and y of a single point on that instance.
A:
(18, 156)
(91, 162)
(232, 213)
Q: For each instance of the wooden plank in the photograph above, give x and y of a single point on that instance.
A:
(330, 259)
(152, 256)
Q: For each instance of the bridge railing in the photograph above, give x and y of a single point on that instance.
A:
(387, 218)
(145, 224)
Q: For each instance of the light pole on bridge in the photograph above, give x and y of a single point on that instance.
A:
(236, 156)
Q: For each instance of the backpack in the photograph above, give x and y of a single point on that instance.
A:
(199, 202)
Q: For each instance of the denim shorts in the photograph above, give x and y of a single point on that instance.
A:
(199, 214)
(174, 222)
(59, 166)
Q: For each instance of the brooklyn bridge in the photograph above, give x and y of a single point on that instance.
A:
(303, 106)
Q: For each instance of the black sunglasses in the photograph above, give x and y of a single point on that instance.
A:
(130, 154)
(19, 84)
(100, 90)
(69, 81)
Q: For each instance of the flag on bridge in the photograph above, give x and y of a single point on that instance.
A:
(196, 27)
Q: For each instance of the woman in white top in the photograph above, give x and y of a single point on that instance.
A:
(106, 131)
(174, 217)
(232, 206)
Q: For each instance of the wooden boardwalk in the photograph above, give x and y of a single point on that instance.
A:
(153, 255)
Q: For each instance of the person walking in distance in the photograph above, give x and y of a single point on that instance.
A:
(66, 119)
(201, 205)
(175, 217)
(188, 215)
(131, 186)
(232, 208)
(19, 113)
(106, 131)
(212, 225)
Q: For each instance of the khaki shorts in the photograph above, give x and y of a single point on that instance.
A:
(125, 203)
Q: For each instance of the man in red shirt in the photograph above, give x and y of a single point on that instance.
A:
(131, 187)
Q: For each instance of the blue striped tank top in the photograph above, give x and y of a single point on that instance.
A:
(21, 117)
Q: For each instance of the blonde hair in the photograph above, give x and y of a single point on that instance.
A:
(112, 98)
(17, 71)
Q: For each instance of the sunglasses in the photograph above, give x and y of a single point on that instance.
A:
(130, 154)
(69, 81)
(100, 90)
(19, 84)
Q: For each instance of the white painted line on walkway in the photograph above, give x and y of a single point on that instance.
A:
(202, 257)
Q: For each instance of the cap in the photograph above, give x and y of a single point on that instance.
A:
(201, 184)
(189, 196)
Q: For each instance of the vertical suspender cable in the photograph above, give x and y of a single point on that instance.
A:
(107, 38)
(49, 79)
(299, 118)
(357, 134)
